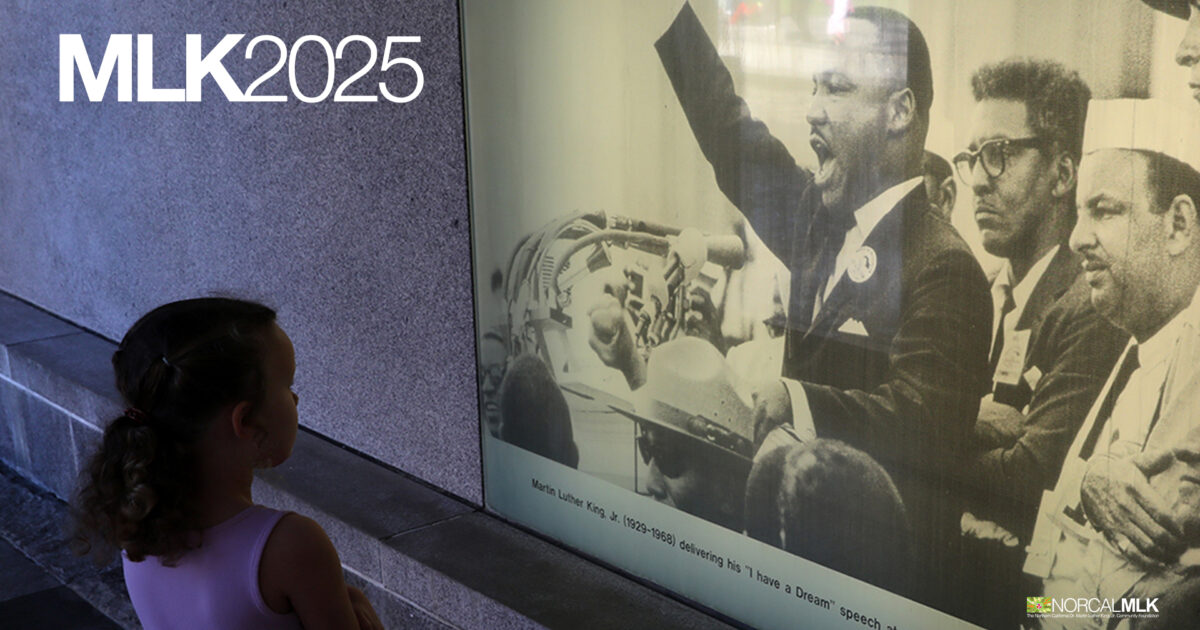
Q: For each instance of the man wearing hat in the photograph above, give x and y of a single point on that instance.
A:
(1178, 8)
(1188, 53)
(694, 431)
(1104, 527)
(888, 315)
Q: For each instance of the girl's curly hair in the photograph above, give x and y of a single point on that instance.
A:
(176, 368)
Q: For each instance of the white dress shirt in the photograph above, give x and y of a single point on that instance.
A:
(1075, 560)
(865, 220)
(1021, 293)
(1137, 405)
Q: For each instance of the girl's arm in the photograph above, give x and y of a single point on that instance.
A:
(300, 571)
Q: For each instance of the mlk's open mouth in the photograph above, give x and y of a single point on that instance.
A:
(821, 148)
(825, 159)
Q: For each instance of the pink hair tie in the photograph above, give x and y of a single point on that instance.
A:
(136, 415)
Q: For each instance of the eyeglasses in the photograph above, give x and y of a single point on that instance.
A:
(994, 154)
(666, 452)
(674, 453)
(491, 375)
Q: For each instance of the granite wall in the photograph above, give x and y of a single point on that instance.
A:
(349, 218)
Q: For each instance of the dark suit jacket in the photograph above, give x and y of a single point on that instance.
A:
(908, 391)
(1060, 274)
(1074, 349)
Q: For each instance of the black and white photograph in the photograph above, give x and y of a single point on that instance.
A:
(832, 313)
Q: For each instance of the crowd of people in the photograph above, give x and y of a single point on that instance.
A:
(961, 439)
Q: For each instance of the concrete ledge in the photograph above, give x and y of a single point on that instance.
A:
(451, 560)
(73, 371)
(21, 322)
(517, 571)
(426, 559)
(56, 393)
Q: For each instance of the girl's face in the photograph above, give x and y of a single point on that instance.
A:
(276, 412)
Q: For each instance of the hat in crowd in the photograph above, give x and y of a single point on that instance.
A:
(1177, 8)
(1145, 125)
(689, 390)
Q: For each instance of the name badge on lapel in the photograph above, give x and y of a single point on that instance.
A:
(862, 266)
(1012, 358)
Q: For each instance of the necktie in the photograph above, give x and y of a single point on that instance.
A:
(1128, 366)
(828, 234)
(998, 345)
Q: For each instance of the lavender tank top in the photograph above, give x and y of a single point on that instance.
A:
(214, 586)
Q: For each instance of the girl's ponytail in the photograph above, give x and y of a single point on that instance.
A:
(126, 483)
(134, 458)
(176, 368)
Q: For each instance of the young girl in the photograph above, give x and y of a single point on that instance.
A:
(208, 385)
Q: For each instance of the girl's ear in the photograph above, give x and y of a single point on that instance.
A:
(240, 420)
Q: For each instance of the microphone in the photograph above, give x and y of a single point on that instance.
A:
(727, 251)
(694, 249)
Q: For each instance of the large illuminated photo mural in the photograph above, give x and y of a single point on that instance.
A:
(805, 310)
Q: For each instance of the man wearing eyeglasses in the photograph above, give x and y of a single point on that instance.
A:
(1050, 349)
(493, 353)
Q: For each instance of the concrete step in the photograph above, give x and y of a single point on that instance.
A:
(425, 558)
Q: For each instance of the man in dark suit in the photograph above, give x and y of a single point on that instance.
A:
(888, 322)
(1050, 351)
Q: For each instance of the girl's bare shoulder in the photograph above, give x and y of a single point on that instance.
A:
(300, 571)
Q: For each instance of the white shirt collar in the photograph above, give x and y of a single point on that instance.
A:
(1159, 346)
(872, 212)
(1024, 289)
(865, 220)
